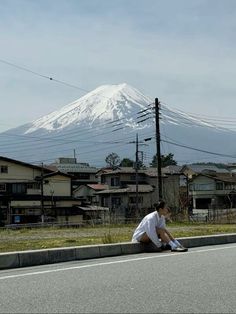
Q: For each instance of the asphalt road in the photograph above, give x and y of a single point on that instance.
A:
(202, 280)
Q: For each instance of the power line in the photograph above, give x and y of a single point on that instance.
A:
(142, 111)
(199, 150)
(201, 117)
(47, 77)
(41, 75)
(118, 143)
(60, 141)
(102, 126)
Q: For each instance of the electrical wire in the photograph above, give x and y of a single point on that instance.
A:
(27, 137)
(199, 150)
(119, 143)
(219, 121)
(201, 118)
(41, 75)
(91, 142)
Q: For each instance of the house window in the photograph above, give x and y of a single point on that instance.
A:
(33, 186)
(103, 179)
(3, 213)
(105, 201)
(4, 169)
(2, 187)
(18, 188)
(115, 181)
(83, 176)
(132, 199)
(201, 187)
(229, 186)
(115, 201)
(219, 186)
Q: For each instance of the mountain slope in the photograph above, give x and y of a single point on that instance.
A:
(106, 120)
(107, 102)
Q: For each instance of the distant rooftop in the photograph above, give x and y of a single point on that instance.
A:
(206, 168)
(70, 165)
(172, 169)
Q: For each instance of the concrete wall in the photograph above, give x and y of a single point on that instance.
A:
(49, 256)
(57, 185)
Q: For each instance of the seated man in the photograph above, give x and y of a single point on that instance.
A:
(153, 226)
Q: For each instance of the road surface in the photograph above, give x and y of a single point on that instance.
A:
(202, 280)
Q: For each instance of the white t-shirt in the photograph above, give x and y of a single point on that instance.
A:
(148, 225)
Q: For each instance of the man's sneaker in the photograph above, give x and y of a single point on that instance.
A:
(179, 249)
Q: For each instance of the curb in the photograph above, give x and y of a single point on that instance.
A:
(55, 255)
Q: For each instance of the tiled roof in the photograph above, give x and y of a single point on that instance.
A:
(142, 188)
(98, 187)
(93, 208)
(221, 177)
(172, 169)
(205, 168)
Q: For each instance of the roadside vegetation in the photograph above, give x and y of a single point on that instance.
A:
(54, 237)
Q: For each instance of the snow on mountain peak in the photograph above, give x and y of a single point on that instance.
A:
(107, 102)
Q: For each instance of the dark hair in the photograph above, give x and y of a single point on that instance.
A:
(160, 204)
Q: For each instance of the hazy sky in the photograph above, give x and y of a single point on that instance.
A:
(182, 52)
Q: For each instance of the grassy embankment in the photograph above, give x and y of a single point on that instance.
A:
(53, 237)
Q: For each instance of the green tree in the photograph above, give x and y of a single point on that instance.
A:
(112, 160)
(166, 160)
(126, 162)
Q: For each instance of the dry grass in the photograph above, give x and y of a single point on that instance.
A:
(53, 237)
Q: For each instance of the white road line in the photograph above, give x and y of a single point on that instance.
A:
(158, 255)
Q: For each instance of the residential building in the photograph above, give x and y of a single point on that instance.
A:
(209, 186)
(194, 169)
(30, 194)
(82, 173)
(213, 191)
(130, 196)
(88, 192)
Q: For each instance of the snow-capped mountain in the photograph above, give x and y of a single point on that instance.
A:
(105, 103)
(107, 120)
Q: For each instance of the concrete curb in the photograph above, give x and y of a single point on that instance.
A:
(49, 256)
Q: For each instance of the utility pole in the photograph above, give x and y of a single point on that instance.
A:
(136, 167)
(158, 148)
(42, 195)
(136, 173)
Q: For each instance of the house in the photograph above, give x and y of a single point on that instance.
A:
(30, 194)
(172, 169)
(129, 195)
(194, 169)
(88, 192)
(123, 196)
(173, 184)
(82, 173)
(200, 198)
(213, 191)
(231, 167)
(181, 202)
